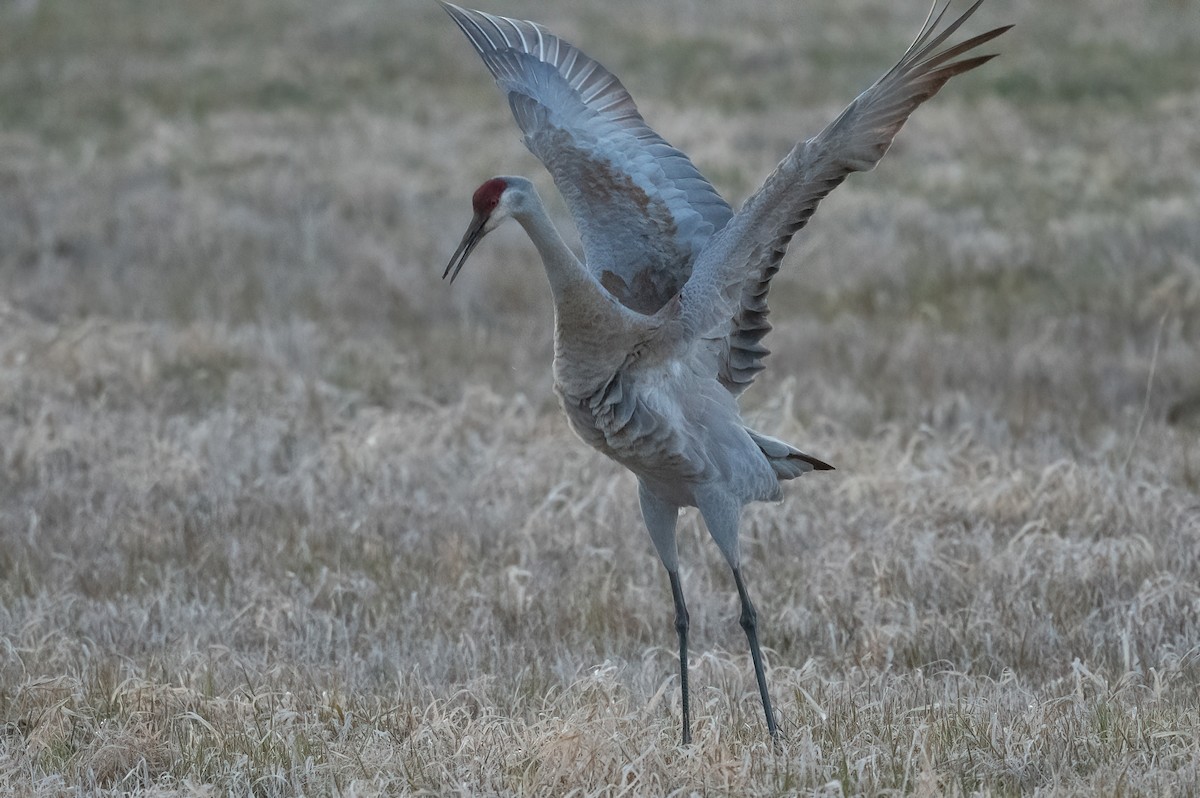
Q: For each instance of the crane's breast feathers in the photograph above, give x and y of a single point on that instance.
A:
(625, 423)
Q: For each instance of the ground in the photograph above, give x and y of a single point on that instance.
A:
(283, 513)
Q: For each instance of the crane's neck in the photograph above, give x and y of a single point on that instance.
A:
(568, 277)
(593, 333)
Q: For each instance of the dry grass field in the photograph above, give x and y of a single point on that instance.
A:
(281, 513)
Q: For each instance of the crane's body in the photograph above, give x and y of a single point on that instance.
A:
(659, 329)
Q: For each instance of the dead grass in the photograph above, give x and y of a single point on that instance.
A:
(280, 514)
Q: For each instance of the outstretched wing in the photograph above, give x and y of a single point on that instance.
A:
(643, 210)
(725, 300)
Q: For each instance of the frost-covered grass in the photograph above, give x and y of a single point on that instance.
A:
(281, 513)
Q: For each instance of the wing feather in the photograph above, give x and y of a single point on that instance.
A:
(643, 210)
(725, 300)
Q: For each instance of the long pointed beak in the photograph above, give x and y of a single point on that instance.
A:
(473, 236)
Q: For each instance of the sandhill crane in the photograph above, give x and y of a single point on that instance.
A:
(659, 329)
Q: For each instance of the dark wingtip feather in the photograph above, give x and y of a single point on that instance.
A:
(818, 465)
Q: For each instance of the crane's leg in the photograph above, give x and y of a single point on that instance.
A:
(681, 629)
(661, 518)
(749, 621)
(721, 516)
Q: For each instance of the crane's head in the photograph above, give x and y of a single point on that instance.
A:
(493, 203)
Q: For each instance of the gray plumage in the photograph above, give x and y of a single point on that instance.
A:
(660, 328)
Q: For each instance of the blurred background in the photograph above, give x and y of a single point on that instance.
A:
(284, 161)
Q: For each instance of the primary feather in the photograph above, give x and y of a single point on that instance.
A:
(724, 301)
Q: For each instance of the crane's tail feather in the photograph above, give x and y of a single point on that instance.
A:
(787, 461)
